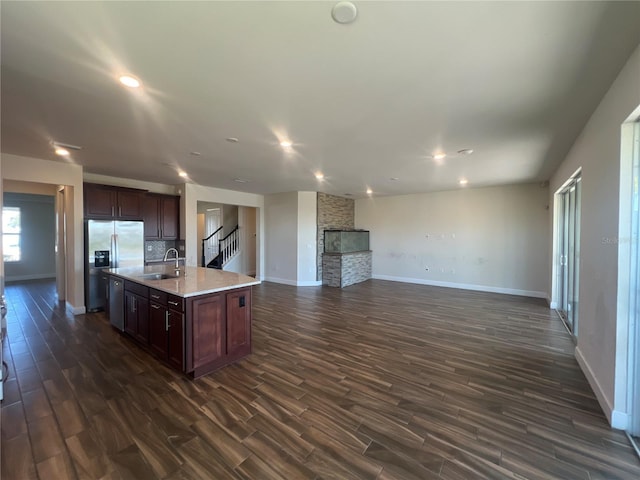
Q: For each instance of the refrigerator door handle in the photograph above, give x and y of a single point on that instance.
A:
(114, 251)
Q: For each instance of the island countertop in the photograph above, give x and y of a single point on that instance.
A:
(193, 281)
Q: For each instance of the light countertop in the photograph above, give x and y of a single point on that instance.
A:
(192, 281)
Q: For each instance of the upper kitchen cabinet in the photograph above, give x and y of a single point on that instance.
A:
(161, 217)
(106, 202)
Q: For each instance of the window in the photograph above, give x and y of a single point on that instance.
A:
(11, 231)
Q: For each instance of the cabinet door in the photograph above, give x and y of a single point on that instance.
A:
(130, 313)
(151, 217)
(170, 222)
(99, 202)
(206, 342)
(158, 322)
(176, 339)
(142, 307)
(239, 322)
(129, 205)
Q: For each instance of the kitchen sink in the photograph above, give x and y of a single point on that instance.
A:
(157, 276)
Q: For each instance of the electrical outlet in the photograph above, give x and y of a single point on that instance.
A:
(149, 248)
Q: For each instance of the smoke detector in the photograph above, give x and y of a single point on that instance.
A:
(344, 12)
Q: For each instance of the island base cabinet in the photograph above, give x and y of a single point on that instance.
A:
(218, 330)
(166, 328)
(136, 317)
(176, 340)
(158, 322)
(205, 333)
(238, 323)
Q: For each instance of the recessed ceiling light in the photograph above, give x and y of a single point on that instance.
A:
(129, 81)
(463, 181)
(348, 194)
(232, 140)
(66, 146)
(466, 151)
(369, 191)
(285, 143)
(63, 152)
(195, 154)
(183, 174)
(394, 179)
(240, 180)
(319, 176)
(439, 155)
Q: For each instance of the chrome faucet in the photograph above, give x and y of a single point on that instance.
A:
(166, 257)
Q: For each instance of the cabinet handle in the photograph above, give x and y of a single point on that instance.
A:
(157, 297)
(175, 304)
(113, 212)
(119, 211)
(166, 320)
(133, 304)
(157, 307)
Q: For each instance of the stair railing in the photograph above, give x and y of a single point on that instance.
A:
(204, 240)
(229, 245)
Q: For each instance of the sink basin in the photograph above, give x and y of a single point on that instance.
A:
(157, 276)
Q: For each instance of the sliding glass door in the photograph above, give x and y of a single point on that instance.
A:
(569, 229)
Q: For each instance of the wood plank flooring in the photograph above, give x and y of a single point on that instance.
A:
(379, 380)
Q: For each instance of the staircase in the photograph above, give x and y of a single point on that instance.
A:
(228, 248)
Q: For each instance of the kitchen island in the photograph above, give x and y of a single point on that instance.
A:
(196, 321)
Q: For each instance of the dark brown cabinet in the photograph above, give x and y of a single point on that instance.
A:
(166, 327)
(105, 202)
(195, 335)
(176, 339)
(218, 330)
(136, 315)
(239, 322)
(158, 326)
(161, 217)
(206, 343)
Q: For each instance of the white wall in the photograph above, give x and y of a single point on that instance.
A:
(36, 170)
(491, 239)
(229, 219)
(281, 233)
(306, 238)
(602, 339)
(247, 222)
(192, 194)
(38, 237)
(290, 234)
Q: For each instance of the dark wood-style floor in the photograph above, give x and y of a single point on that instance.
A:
(377, 381)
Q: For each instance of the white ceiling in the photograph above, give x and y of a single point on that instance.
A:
(365, 102)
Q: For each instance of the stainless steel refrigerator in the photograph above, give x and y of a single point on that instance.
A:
(109, 244)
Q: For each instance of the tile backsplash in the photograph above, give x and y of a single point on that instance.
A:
(154, 250)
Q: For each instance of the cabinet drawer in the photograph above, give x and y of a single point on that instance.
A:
(175, 302)
(158, 296)
(136, 288)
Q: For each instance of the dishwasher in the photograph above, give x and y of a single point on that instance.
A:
(116, 302)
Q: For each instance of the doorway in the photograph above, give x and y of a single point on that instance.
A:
(568, 200)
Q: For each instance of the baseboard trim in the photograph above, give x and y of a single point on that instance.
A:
(37, 276)
(286, 281)
(464, 286)
(616, 419)
(76, 310)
